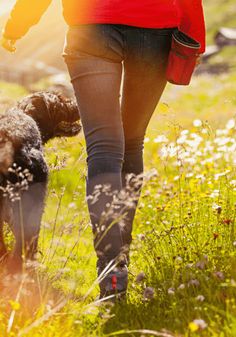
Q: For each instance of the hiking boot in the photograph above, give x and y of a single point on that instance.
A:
(113, 281)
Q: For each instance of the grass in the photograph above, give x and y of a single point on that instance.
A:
(184, 232)
(184, 237)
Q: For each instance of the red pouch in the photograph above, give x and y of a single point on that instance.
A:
(182, 58)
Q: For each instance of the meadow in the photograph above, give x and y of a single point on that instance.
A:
(182, 274)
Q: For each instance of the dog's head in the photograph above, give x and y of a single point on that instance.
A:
(55, 115)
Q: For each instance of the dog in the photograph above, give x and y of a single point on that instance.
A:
(24, 129)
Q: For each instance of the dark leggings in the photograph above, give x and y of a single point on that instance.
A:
(118, 75)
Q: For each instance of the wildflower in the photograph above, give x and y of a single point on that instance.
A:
(176, 178)
(230, 124)
(161, 139)
(189, 265)
(201, 177)
(233, 282)
(222, 174)
(169, 151)
(221, 132)
(215, 194)
(207, 161)
(218, 208)
(171, 291)
(181, 286)
(234, 243)
(219, 275)
(233, 183)
(197, 324)
(204, 131)
(140, 277)
(197, 123)
(141, 237)
(222, 141)
(148, 293)
(189, 175)
(200, 298)
(14, 305)
(184, 132)
(201, 264)
(193, 282)
(182, 139)
(178, 259)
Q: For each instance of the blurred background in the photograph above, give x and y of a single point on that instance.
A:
(39, 53)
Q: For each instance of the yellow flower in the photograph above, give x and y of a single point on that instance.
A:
(197, 324)
(14, 305)
(193, 327)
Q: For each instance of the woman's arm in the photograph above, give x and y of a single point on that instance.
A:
(25, 14)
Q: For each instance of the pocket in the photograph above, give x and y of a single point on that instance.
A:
(86, 39)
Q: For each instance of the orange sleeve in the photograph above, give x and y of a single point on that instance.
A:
(192, 20)
(24, 14)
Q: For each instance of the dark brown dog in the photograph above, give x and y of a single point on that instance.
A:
(23, 170)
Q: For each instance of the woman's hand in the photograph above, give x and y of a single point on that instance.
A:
(199, 60)
(8, 44)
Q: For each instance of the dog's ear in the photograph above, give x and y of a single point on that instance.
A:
(34, 106)
(37, 107)
(65, 109)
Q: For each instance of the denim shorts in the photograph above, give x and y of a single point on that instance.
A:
(114, 41)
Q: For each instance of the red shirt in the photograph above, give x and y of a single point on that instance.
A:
(185, 14)
(140, 13)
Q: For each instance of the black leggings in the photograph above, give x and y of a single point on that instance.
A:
(118, 75)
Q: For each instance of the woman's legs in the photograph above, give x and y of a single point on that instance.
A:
(114, 132)
(144, 82)
(97, 85)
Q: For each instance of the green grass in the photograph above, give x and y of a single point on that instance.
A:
(11, 91)
(184, 232)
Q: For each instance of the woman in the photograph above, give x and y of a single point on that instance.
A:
(108, 39)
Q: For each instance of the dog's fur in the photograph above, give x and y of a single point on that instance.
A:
(23, 131)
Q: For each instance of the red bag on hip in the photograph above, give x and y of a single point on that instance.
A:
(182, 58)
